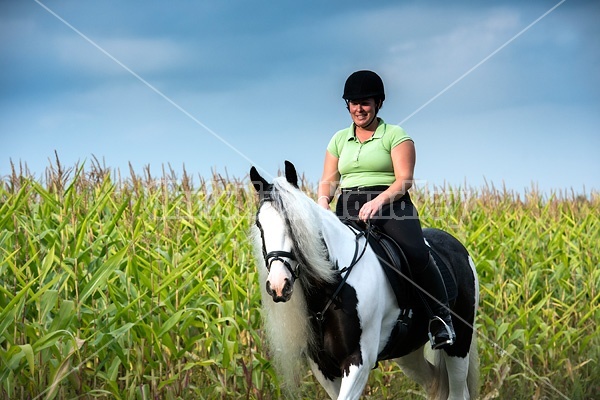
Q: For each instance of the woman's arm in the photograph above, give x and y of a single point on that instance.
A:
(403, 159)
(329, 180)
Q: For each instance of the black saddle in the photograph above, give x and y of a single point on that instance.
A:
(396, 268)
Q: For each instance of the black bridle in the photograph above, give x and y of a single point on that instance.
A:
(278, 255)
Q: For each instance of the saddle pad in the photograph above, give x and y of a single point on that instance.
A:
(387, 249)
(449, 281)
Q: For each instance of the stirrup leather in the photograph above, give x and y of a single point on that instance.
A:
(451, 334)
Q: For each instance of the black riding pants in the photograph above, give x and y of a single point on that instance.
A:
(398, 220)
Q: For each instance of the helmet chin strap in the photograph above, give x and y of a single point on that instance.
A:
(372, 119)
(365, 126)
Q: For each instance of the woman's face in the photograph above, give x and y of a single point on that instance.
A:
(363, 112)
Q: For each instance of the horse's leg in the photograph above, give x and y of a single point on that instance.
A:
(331, 387)
(458, 368)
(354, 383)
(416, 367)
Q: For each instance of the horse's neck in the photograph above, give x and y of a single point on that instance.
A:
(340, 240)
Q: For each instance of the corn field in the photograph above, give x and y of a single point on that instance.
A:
(137, 287)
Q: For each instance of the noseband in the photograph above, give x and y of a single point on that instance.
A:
(277, 256)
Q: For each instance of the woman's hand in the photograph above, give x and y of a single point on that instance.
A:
(323, 201)
(370, 209)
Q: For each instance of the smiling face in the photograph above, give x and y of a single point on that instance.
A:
(363, 112)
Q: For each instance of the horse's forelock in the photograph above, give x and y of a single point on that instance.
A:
(291, 203)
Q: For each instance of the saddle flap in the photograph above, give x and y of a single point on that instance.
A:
(393, 262)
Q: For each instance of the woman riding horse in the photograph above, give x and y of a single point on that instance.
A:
(327, 304)
(373, 163)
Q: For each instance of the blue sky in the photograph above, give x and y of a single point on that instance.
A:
(230, 84)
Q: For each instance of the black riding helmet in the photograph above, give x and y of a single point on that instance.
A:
(364, 84)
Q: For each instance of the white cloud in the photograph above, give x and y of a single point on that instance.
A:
(436, 60)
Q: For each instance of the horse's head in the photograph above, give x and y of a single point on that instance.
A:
(277, 244)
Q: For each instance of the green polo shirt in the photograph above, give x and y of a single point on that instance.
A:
(368, 163)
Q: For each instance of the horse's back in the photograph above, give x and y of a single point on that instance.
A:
(445, 243)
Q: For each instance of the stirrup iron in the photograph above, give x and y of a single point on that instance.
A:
(451, 334)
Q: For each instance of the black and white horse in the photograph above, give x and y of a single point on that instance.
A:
(341, 321)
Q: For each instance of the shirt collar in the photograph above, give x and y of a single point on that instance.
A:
(377, 135)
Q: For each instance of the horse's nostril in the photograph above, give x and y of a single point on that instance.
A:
(287, 288)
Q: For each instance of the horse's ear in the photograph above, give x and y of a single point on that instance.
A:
(290, 174)
(260, 184)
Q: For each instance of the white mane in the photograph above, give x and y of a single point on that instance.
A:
(287, 324)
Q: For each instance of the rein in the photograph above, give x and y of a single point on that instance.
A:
(319, 316)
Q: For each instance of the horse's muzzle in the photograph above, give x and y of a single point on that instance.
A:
(283, 295)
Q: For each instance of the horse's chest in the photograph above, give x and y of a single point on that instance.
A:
(337, 333)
